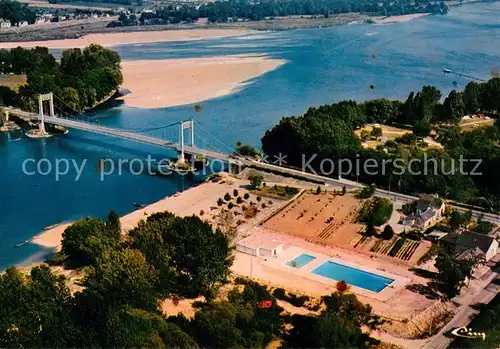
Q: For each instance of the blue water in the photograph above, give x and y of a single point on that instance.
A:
(300, 261)
(352, 276)
(324, 65)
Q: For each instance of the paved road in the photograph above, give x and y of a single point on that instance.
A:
(462, 318)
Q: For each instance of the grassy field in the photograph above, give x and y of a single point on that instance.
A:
(12, 81)
(391, 133)
(276, 191)
(476, 122)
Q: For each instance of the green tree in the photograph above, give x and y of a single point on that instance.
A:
(453, 107)
(191, 257)
(422, 128)
(387, 233)
(472, 97)
(122, 278)
(489, 95)
(452, 274)
(376, 210)
(339, 326)
(246, 150)
(113, 225)
(382, 110)
(376, 132)
(84, 241)
(36, 310)
(256, 180)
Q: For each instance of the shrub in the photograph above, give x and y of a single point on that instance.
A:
(388, 232)
(239, 200)
(256, 181)
(227, 197)
(243, 208)
(259, 198)
(342, 286)
(230, 205)
(220, 202)
(318, 190)
(202, 212)
(240, 281)
(376, 210)
(251, 212)
(297, 301)
(376, 132)
(366, 192)
(235, 192)
(280, 293)
(246, 196)
(263, 205)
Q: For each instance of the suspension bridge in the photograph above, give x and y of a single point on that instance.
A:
(86, 124)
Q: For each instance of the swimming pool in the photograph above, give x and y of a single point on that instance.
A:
(352, 276)
(300, 261)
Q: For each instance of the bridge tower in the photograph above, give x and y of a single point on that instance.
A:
(182, 126)
(41, 98)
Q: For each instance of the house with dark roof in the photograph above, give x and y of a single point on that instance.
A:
(429, 210)
(470, 245)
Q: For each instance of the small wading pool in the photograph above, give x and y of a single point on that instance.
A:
(300, 261)
(352, 276)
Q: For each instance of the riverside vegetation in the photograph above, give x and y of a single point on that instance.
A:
(328, 131)
(79, 81)
(234, 10)
(124, 279)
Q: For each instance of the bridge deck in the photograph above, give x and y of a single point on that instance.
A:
(115, 132)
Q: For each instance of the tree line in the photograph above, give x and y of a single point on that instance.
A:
(327, 132)
(81, 79)
(118, 301)
(233, 10)
(123, 2)
(16, 12)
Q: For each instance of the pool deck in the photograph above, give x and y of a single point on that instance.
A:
(291, 252)
(395, 302)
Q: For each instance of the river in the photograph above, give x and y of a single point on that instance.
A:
(324, 65)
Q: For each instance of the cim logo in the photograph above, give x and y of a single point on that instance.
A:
(465, 332)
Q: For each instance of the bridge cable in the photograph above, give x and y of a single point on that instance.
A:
(218, 140)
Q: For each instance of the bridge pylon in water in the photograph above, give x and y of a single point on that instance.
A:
(42, 98)
(182, 126)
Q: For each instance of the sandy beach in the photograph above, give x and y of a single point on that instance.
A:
(168, 83)
(193, 201)
(397, 19)
(139, 37)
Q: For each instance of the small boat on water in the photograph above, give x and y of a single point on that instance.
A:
(51, 226)
(138, 205)
(446, 71)
(21, 244)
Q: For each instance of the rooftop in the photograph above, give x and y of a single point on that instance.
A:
(470, 240)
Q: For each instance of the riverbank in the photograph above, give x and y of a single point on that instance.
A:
(136, 37)
(150, 82)
(200, 200)
(398, 19)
